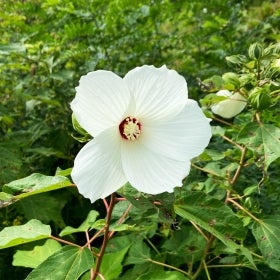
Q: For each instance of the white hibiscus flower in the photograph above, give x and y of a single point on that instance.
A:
(145, 131)
(230, 107)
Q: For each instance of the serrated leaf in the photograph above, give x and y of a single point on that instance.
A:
(16, 235)
(34, 184)
(262, 139)
(33, 258)
(216, 218)
(211, 214)
(86, 225)
(69, 263)
(267, 234)
(186, 244)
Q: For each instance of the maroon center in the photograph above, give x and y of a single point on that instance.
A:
(130, 128)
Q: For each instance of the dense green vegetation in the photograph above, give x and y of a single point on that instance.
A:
(225, 221)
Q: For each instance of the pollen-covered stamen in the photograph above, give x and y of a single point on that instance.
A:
(130, 128)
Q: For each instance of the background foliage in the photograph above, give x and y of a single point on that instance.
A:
(224, 222)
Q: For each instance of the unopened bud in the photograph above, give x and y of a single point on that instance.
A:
(259, 98)
(255, 51)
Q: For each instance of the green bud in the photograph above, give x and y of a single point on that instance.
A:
(231, 78)
(255, 51)
(259, 98)
(246, 79)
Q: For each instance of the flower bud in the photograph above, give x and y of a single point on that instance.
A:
(259, 98)
(230, 107)
(255, 51)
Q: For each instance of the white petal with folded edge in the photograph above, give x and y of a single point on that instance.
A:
(150, 172)
(97, 170)
(158, 92)
(230, 107)
(182, 137)
(101, 101)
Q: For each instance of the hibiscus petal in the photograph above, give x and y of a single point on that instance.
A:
(158, 92)
(182, 137)
(97, 170)
(151, 172)
(101, 101)
(230, 107)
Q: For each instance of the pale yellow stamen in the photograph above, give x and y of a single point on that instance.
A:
(130, 128)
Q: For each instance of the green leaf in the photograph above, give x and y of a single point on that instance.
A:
(10, 48)
(186, 244)
(33, 258)
(161, 274)
(262, 139)
(212, 215)
(111, 266)
(139, 253)
(86, 225)
(69, 263)
(267, 234)
(34, 184)
(45, 207)
(16, 235)
(216, 218)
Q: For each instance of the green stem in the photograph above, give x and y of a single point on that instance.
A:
(202, 262)
(225, 265)
(153, 246)
(241, 164)
(243, 209)
(169, 266)
(64, 241)
(206, 270)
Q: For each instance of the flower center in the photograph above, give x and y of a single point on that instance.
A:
(130, 128)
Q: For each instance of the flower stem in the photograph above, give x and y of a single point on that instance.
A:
(243, 209)
(202, 262)
(241, 164)
(168, 266)
(105, 237)
(64, 241)
(206, 270)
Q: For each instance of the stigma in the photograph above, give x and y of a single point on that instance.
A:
(130, 128)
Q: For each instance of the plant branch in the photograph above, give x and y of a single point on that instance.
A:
(89, 246)
(199, 230)
(64, 241)
(122, 218)
(206, 270)
(231, 141)
(94, 237)
(204, 170)
(225, 265)
(243, 209)
(202, 262)
(106, 235)
(241, 164)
